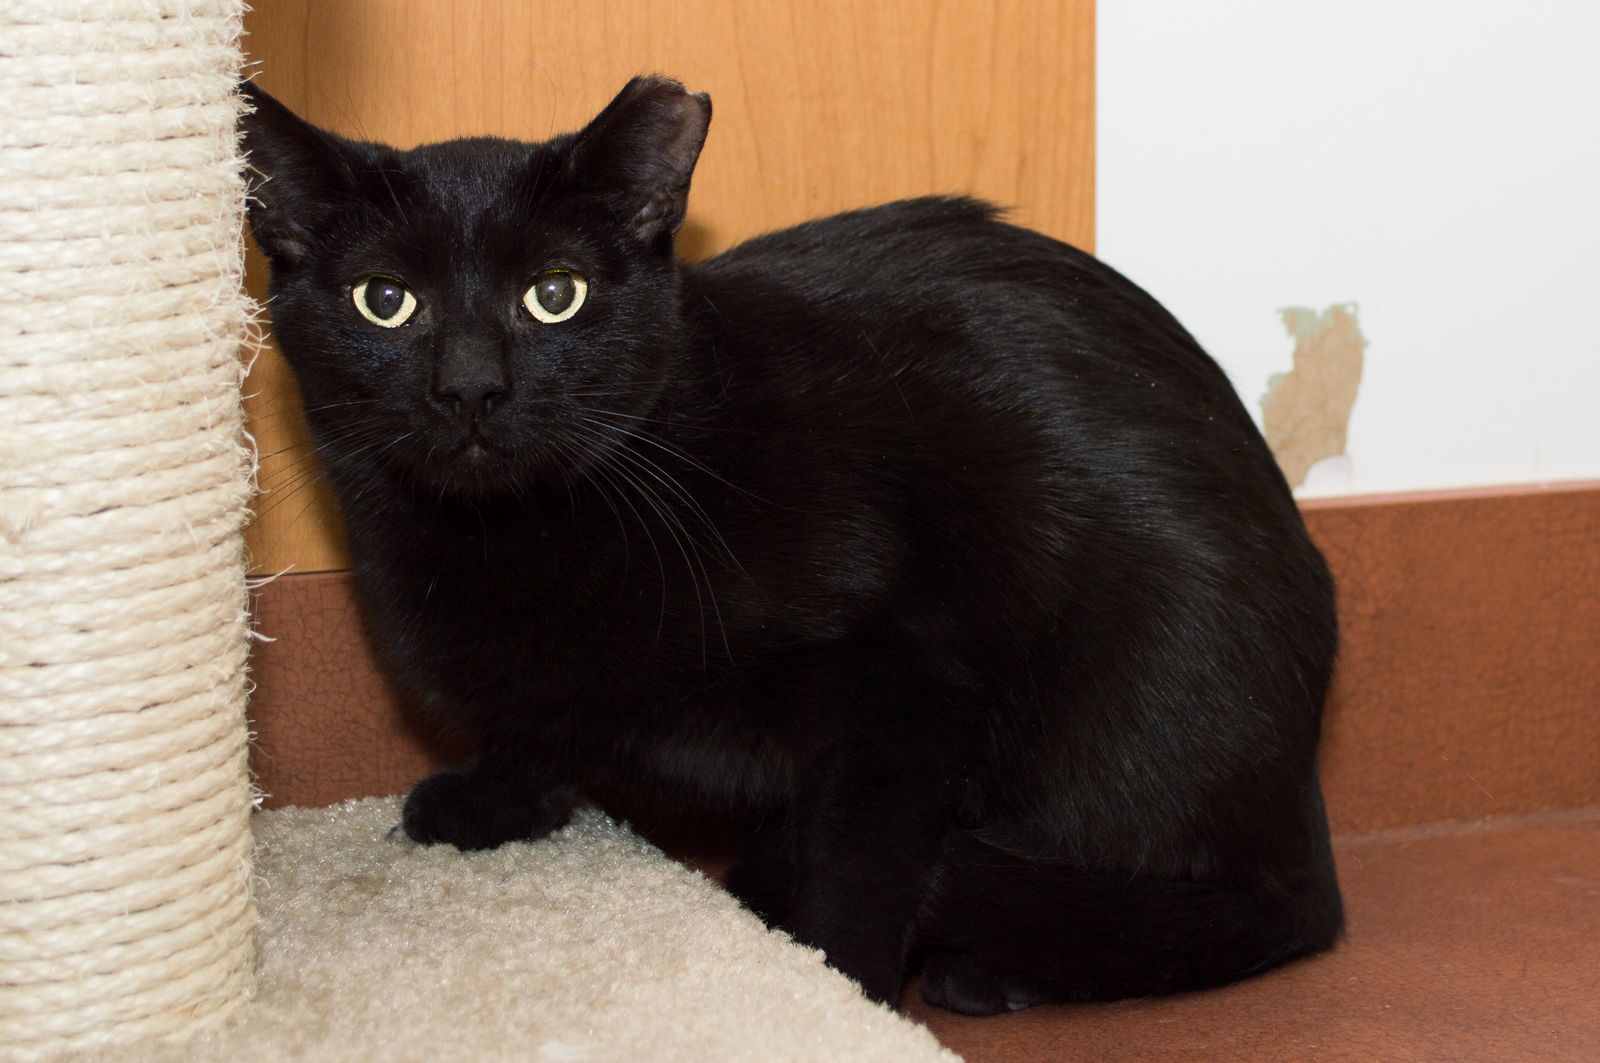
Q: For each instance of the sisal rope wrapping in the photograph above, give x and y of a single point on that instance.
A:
(124, 795)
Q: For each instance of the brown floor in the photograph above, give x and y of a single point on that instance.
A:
(1466, 944)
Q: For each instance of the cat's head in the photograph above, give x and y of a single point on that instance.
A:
(475, 314)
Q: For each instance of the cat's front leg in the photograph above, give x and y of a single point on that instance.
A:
(866, 837)
(493, 799)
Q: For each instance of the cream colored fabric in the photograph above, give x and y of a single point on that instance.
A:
(587, 946)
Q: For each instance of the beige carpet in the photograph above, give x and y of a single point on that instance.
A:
(589, 945)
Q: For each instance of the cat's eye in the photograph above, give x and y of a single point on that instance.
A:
(555, 295)
(384, 301)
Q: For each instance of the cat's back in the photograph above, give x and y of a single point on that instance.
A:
(938, 267)
(897, 255)
(939, 306)
(928, 342)
(927, 229)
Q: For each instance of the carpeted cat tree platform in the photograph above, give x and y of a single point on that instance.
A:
(588, 945)
(128, 903)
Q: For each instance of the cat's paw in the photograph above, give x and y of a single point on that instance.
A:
(964, 983)
(474, 811)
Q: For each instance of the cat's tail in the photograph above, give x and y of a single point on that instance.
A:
(1001, 932)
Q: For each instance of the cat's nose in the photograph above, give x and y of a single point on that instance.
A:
(471, 398)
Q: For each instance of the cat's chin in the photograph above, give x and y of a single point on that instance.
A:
(476, 469)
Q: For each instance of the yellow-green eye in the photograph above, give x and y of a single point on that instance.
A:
(555, 295)
(384, 301)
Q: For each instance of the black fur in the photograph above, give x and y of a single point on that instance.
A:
(930, 544)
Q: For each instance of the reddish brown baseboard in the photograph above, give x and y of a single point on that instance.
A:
(1468, 684)
(328, 724)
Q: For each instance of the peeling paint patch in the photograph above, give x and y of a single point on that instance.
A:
(1305, 412)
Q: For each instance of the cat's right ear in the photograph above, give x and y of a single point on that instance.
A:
(295, 172)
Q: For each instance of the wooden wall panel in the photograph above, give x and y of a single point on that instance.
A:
(817, 108)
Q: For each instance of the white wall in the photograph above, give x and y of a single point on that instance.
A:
(1436, 163)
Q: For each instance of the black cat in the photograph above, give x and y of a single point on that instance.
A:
(930, 544)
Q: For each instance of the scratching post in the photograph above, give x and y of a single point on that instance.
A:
(124, 798)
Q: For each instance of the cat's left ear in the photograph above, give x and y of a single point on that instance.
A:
(639, 154)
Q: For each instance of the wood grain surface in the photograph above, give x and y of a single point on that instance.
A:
(818, 108)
